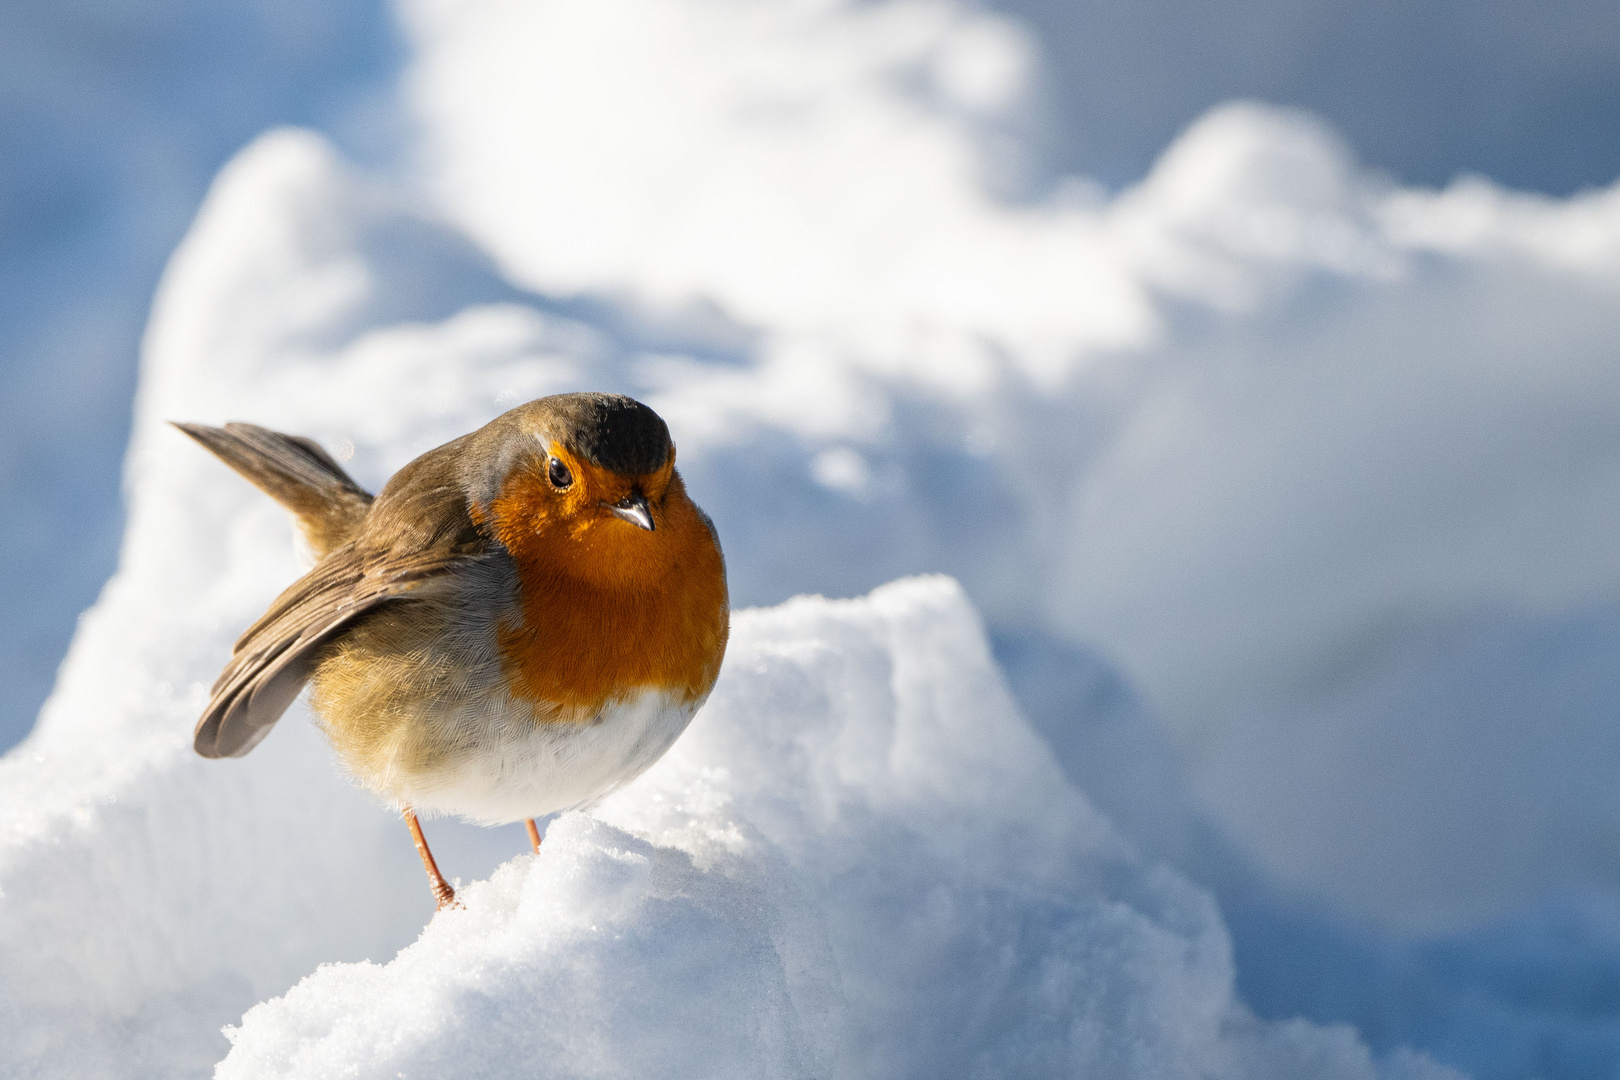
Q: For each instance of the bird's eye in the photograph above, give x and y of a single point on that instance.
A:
(560, 476)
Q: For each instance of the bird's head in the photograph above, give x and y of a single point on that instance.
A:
(584, 485)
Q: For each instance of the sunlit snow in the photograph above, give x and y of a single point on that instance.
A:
(1287, 495)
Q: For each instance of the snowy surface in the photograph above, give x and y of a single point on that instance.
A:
(860, 860)
(1286, 494)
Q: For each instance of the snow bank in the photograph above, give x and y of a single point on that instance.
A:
(859, 861)
(1328, 468)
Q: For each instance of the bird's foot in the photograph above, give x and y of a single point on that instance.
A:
(443, 894)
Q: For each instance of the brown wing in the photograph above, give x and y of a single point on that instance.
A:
(295, 472)
(273, 660)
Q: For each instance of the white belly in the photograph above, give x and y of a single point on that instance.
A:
(516, 768)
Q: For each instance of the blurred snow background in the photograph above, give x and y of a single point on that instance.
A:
(1285, 483)
(113, 120)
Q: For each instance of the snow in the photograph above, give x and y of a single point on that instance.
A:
(1286, 495)
(860, 860)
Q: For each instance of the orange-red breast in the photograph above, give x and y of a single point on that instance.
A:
(522, 621)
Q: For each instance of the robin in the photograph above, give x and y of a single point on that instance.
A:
(522, 621)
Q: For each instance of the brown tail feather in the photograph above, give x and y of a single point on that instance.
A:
(296, 473)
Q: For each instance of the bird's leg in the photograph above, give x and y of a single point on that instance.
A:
(534, 835)
(443, 894)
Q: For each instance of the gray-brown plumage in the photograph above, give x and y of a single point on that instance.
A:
(371, 552)
(295, 472)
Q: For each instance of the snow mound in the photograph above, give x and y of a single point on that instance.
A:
(1308, 455)
(860, 860)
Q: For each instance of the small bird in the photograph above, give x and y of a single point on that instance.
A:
(524, 620)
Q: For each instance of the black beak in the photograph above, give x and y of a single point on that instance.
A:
(633, 508)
